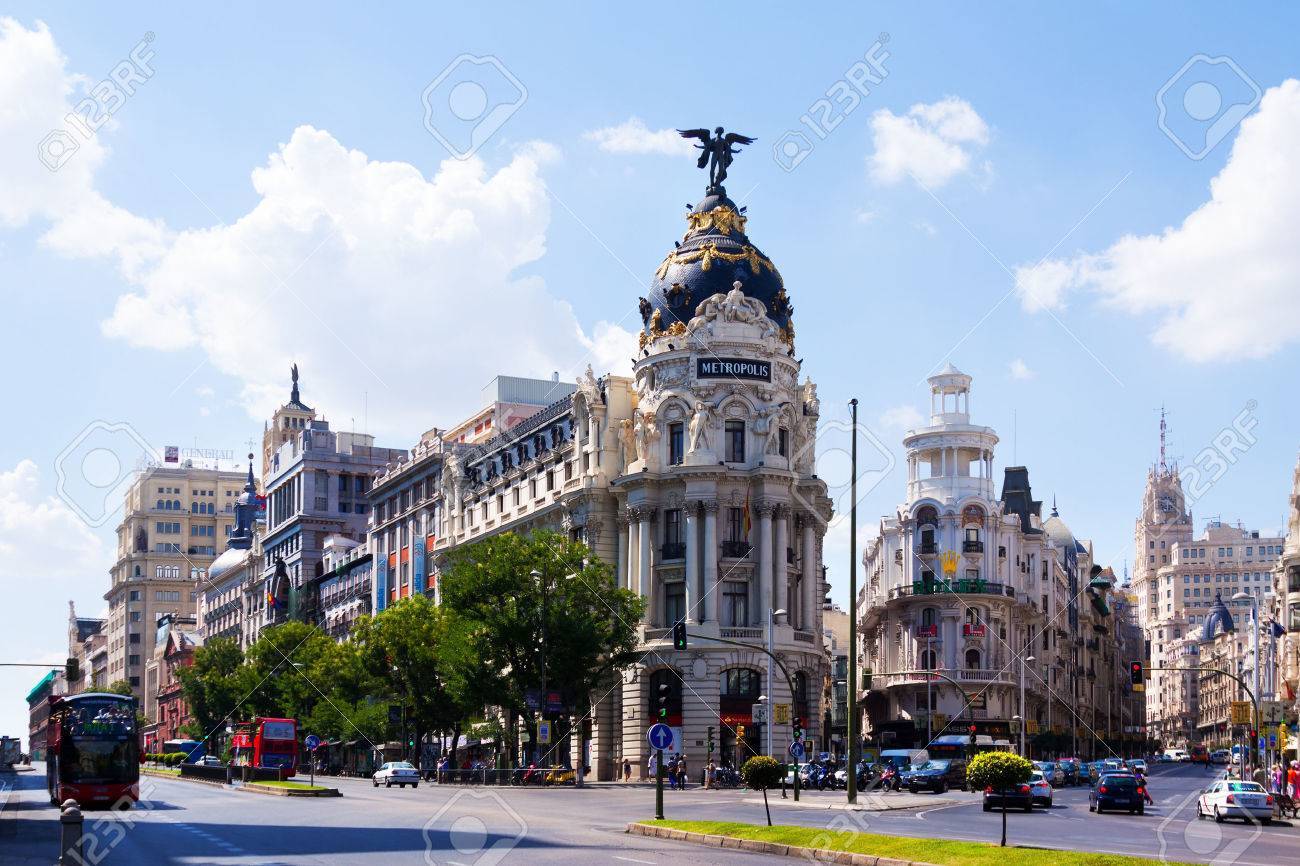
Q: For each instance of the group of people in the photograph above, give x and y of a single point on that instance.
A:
(675, 771)
(1285, 779)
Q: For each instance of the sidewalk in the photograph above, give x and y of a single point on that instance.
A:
(29, 825)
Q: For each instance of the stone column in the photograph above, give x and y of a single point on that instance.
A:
(630, 576)
(811, 574)
(712, 589)
(624, 541)
(692, 562)
(781, 565)
(764, 573)
(645, 573)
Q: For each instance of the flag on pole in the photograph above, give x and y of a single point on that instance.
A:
(748, 523)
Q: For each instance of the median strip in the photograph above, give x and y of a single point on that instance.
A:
(872, 849)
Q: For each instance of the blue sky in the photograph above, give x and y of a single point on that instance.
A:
(271, 193)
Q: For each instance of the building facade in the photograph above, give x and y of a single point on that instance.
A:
(86, 640)
(233, 602)
(175, 519)
(978, 587)
(1286, 607)
(164, 703)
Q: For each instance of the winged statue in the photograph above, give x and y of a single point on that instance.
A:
(716, 151)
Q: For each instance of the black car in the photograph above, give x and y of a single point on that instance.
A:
(1071, 770)
(1116, 791)
(1019, 797)
(937, 775)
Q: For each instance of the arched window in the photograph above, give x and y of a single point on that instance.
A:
(928, 660)
(160, 505)
(926, 520)
(929, 616)
(973, 659)
(176, 505)
(741, 682)
(973, 616)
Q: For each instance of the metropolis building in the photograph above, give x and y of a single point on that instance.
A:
(693, 478)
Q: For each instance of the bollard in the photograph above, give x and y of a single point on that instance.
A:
(70, 823)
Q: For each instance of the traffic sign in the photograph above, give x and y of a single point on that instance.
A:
(758, 712)
(660, 736)
(543, 732)
(781, 713)
(1240, 712)
(312, 742)
(796, 750)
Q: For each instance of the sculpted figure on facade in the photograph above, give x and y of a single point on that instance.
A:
(645, 432)
(766, 421)
(701, 421)
(811, 404)
(627, 440)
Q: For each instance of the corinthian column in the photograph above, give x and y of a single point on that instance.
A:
(712, 608)
(692, 562)
(764, 575)
(780, 564)
(623, 540)
(645, 575)
(811, 574)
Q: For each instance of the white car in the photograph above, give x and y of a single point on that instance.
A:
(1230, 798)
(400, 773)
(209, 761)
(1040, 789)
(1137, 765)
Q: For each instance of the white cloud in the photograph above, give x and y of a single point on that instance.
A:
(386, 286)
(38, 93)
(1020, 370)
(633, 136)
(1223, 283)
(902, 418)
(931, 143)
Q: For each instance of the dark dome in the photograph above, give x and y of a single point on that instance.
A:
(714, 254)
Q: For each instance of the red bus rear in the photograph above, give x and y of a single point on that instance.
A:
(93, 749)
(267, 743)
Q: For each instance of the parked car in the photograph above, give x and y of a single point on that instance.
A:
(1051, 771)
(1019, 797)
(1116, 791)
(1040, 790)
(400, 773)
(1229, 798)
(937, 775)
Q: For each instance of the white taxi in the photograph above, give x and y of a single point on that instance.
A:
(400, 773)
(1230, 798)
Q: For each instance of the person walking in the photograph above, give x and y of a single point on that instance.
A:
(709, 770)
(681, 772)
(627, 770)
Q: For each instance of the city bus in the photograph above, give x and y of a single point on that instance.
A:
(266, 743)
(92, 750)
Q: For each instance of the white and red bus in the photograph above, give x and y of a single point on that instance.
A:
(266, 743)
(92, 749)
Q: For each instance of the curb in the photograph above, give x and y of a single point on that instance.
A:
(860, 807)
(189, 779)
(819, 855)
(254, 788)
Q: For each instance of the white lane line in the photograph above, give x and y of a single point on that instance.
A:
(633, 860)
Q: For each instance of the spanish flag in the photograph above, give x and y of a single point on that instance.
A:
(748, 522)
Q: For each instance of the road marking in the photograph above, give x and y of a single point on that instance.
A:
(633, 860)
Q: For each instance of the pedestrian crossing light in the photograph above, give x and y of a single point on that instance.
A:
(663, 701)
(1135, 673)
(710, 739)
(679, 635)
(798, 728)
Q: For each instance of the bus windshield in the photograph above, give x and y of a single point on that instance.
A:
(99, 762)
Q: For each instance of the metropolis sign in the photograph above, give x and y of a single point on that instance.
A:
(733, 368)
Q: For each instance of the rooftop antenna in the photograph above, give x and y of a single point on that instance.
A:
(1164, 468)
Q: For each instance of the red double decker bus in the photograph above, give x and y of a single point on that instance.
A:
(92, 750)
(266, 743)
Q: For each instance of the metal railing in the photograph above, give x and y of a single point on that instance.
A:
(735, 549)
(964, 586)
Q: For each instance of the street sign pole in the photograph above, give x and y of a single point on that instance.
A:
(659, 784)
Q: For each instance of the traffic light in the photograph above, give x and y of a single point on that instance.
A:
(679, 635)
(663, 701)
(866, 681)
(1135, 673)
(971, 729)
(72, 670)
(740, 732)
(798, 728)
(710, 739)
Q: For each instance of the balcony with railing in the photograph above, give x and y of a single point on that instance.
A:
(983, 676)
(926, 548)
(962, 586)
(673, 550)
(969, 546)
(735, 549)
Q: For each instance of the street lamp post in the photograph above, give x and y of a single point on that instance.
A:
(1254, 649)
(1023, 661)
(929, 700)
(771, 685)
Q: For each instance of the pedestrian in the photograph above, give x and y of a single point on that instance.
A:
(652, 767)
(627, 769)
(1293, 779)
(709, 772)
(681, 772)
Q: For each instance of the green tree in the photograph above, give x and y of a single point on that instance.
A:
(1001, 771)
(119, 687)
(213, 685)
(760, 773)
(418, 654)
(571, 617)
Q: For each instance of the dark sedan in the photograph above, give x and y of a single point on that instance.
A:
(936, 775)
(1116, 791)
(1019, 797)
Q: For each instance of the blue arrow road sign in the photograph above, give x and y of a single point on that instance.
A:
(660, 736)
(796, 750)
(311, 742)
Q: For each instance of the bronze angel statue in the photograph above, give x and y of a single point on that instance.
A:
(716, 151)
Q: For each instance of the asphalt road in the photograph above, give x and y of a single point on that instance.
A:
(185, 823)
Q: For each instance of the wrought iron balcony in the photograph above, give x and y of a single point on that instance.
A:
(963, 586)
(926, 548)
(673, 550)
(972, 547)
(735, 549)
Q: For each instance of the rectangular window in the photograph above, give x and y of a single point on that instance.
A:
(783, 442)
(672, 528)
(735, 603)
(736, 524)
(735, 440)
(676, 443)
(674, 602)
